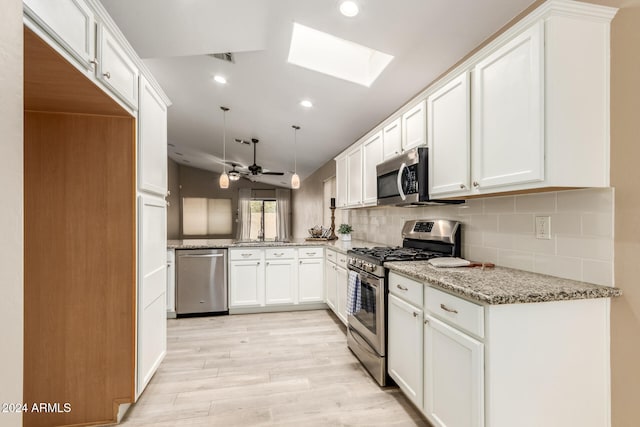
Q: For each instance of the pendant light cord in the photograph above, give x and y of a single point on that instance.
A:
(224, 138)
(295, 148)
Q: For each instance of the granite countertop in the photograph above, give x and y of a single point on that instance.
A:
(339, 245)
(501, 285)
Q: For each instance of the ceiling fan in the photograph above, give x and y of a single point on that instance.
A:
(256, 169)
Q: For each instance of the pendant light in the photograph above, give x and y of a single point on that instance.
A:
(224, 178)
(295, 179)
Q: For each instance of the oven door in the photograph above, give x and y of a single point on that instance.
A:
(369, 320)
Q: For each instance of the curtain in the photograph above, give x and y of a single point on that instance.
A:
(244, 214)
(283, 224)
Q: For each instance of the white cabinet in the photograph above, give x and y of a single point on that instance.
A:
(280, 281)
(341, 291)
(342, 177)
(310, 280)
(152, 287)
(508, 112)
(449, 138)
(116, 70)
(354, 180)
(392, 139)
(330, 280)
(171, 283)
(371, 156)
(152, 141)
(70, 23)
(414, 124)
(404, 345)
(246, 283)
(336, 283)
(453, 376)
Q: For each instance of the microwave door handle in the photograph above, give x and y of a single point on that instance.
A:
(403, 166)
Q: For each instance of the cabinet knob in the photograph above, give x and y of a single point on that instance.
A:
(475, 184)
(462, 186)
(426, 321)
(94, 62)
(266, 263)
(107, 75)
(415, 314)
(300, 262)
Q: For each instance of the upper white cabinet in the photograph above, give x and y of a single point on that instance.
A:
(392, 139)
(342, 177)
(449, 137)
(354, 180)
(371, 156)
(116, 70)
(152, 141)
(508, 134)
(70, 23)
(414, 127)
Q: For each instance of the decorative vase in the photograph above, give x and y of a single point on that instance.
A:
(346, 237)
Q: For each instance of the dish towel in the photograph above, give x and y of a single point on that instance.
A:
(354, 298)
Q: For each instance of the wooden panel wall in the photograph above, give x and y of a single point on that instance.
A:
(79, 265)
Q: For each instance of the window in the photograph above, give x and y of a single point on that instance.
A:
(204, 217)
(263, 219)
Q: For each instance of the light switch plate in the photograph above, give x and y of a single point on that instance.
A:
(543, 227)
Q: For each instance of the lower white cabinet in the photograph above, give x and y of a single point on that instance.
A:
(330, 280)
(280, 282)
(341, 291)
(336, 283)
(453, 376)
(405, 347)
(246, 283)
(171, 283)
(310, 280)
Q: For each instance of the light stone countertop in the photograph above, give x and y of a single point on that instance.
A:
(339, 245)
(501, 285)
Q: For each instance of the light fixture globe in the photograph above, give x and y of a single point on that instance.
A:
(295, 181)
(224, 180)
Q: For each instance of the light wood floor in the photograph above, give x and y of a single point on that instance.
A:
(272, 369)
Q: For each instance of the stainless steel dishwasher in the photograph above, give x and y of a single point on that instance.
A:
(201, 281)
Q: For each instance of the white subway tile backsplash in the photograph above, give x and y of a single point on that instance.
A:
(516, 223)
(543, 202)
(501, 230)
(497, 205)
(598, 272)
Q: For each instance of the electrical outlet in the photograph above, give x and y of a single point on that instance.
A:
(543, 227)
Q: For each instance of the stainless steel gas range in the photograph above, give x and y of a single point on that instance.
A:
(366, 332)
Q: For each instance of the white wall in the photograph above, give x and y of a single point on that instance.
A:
(11, 273)
(501, 230)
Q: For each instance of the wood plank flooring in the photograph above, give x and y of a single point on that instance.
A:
(271, 369)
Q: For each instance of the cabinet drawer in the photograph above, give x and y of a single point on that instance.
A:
(280, 253)
(341, 260)
(406, 289)
(116, 69)
(332, 256)
(310, 253)
(456, 311)
(245, 254)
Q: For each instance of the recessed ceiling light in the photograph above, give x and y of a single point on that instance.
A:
(306, 103)
(220, 79)
(349, 8)
(331, 55)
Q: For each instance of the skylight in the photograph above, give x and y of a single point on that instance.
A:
(336, 57)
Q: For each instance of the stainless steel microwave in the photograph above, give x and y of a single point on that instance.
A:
(404, 180)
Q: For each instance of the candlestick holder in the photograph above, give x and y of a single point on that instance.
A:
(333, 224)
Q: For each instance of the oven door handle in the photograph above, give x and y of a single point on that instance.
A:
(369, 279)
(362, 343)
(403, 166)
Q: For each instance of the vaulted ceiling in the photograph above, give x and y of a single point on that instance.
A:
(176, 37)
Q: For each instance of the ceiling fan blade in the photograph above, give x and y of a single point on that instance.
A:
(273, 173)
(243, 141)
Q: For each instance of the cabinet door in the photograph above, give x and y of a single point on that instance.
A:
(246, 284)
(70, 23)
(171, 281)
(341, 292)
(330, 285)
(453, 376)
(342, 182)
(152, 141)
(404, 345)
(449, 138)
(372, 155)
(280, 282)
(311, 280)
(508, 133)
(392, 139)
(115, 69)
(414, 127)
(152, 287)
(354, 169)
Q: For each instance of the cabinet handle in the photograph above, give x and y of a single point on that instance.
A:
(415, 314)
(278, 255)
(107, 75)
(462, 186)
(450, 310)
(475, 184)
(426, 321)
(402, 288)
(94, 62)
(245, 255)
(311, 253)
